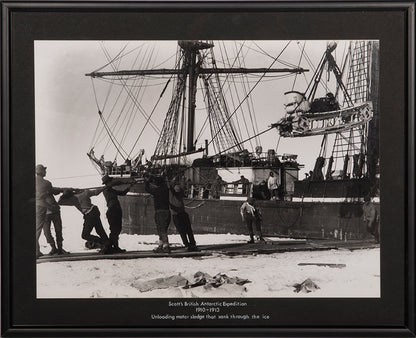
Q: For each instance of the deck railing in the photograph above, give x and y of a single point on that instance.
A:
(206, 191)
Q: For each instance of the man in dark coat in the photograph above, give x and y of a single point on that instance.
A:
(245, 183)
(160, 192)
(181, 217)
(217, 185)
(114, 213)
(264, 191)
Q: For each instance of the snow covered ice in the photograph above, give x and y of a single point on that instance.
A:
(272, 275)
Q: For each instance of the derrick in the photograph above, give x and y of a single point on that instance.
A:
(353, 153)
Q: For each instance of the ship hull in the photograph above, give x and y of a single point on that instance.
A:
(341, 220)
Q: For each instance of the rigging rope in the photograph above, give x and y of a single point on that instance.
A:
(117, 99)
(128, 115)
(115, 68)
(118, 56)
(232, 77)
(250, 91)
(264, 131)
(244, 90)
(250, 108)
(129, 123)
(167, 141)
(141, 98)
(98, 108)
(216, 105)
(135, 101)
(285, 63)
(322, 152)
(111, 137)
(147, 121)
(300, 59)
(278, 142)
(62, 178)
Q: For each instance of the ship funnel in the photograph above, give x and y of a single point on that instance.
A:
(331, 47)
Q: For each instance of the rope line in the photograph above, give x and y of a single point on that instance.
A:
(252, 89)
(264, 131)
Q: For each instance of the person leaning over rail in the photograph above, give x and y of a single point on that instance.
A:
(250, 213)
(216, 187)
(47, 212)
(273, 186)
(245, 183)
(81, 199)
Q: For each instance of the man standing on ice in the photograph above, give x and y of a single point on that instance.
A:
(250, 213)
(160, 192)
(180, 216)
(114, 213)
(47, 211)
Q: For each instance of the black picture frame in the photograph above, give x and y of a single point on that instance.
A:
(393, 23)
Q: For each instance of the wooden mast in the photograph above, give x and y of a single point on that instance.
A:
(191, 68)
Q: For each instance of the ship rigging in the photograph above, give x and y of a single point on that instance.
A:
(196, 68)
(208, 148)
(343, 115)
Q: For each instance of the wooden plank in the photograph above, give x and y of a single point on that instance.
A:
(126, 255)
(285, 242)
(331, 265)
(231, 249)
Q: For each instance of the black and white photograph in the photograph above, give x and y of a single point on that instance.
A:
(207, 169)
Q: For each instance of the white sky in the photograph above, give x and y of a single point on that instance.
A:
(66, 110)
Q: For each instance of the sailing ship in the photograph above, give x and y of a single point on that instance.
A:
(220, 173)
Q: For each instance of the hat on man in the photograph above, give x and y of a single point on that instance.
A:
(40, 168)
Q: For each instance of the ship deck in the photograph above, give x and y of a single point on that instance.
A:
(235, 249)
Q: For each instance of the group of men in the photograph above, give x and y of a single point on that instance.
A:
(168, 204)
(266, 189)
(272, 185)
(48, 212)
(167, 200)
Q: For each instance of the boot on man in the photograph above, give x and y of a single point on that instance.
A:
(54, 249)
(61, 250)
